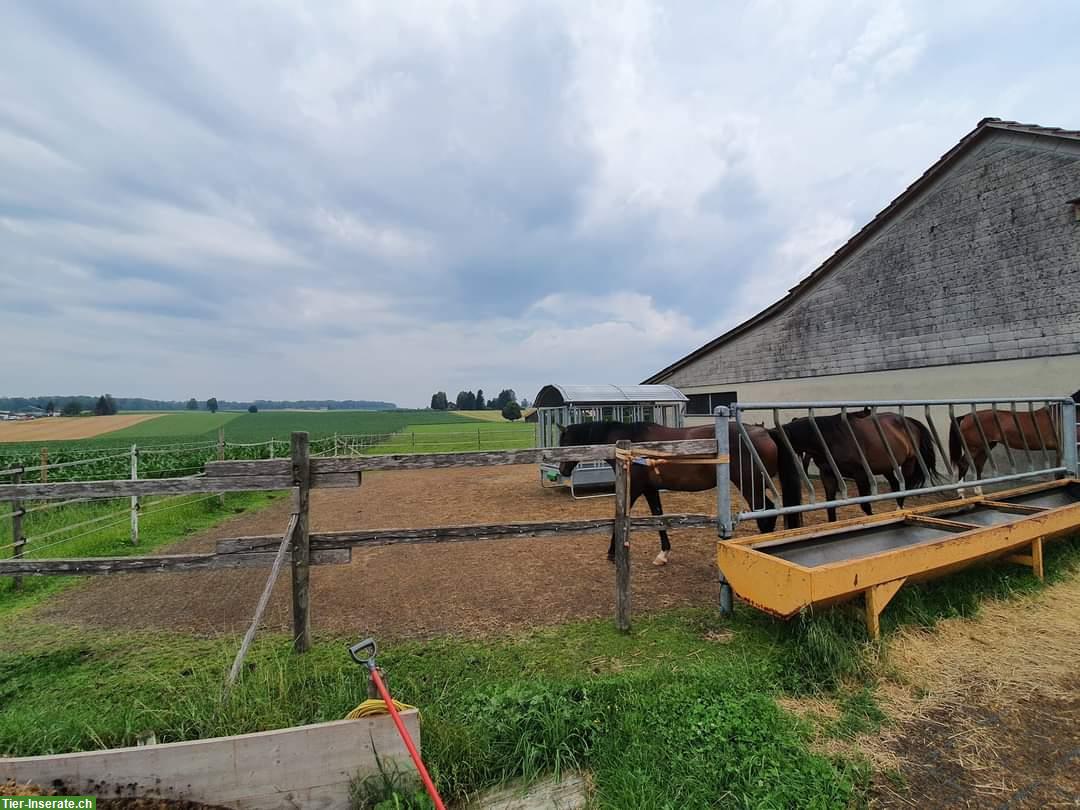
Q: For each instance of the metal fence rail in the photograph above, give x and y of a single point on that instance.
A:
(860, 441)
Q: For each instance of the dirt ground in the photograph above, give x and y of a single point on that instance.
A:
(422, 590)
(59, 428)
(986, 712)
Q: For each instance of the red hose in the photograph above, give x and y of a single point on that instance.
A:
(428, 784)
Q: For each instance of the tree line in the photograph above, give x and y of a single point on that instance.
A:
(73, 405)
(506, 402)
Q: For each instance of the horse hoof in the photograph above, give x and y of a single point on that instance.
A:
(661, 558)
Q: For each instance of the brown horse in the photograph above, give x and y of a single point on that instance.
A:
(804, 440)
(1029, 430)
(648, 480)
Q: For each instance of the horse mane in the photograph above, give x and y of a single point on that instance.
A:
(802, 434)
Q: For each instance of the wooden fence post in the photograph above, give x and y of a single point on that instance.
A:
(17, 538)
(134, 498)
(44, 465)
(221, 455)
(301, 545)
(622, 541)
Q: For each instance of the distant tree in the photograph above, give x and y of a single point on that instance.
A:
(105, 406)
(512, 411)
(253, 408)
(505, 396)
(466, 401)
(524, 403)
(480, 404)
(211, 404)
(193, 404)
(438, 401)
(71, 408)
(50, 408)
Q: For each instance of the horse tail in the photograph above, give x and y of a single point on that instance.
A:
(790, 480)
(956, 447)
(926, 448)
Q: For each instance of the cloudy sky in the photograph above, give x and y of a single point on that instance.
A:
(383, 199)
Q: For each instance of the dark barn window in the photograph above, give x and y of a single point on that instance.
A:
(703, 404)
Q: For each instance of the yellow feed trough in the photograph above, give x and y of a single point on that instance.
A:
(784, 572)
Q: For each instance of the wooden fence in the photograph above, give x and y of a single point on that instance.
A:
(301, 473)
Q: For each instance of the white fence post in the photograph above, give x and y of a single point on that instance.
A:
(134, 498)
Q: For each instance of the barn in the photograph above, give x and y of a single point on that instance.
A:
(967, 284)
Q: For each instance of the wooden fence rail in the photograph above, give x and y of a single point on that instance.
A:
(301, 473)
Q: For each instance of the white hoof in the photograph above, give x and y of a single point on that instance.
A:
(661, 558)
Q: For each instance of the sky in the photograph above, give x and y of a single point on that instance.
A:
(374, 200)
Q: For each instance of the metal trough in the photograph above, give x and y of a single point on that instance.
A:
(784, 572)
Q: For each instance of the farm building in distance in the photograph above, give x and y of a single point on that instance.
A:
(967, 284)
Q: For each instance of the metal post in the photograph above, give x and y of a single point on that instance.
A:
(134, 498)
(1068, 437)
(725, 524)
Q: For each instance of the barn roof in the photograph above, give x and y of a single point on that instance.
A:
(554, 396)
(982, 130)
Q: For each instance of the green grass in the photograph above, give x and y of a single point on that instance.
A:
(162, 521)
(184, 424)
(667, 720)
(662, 718)
(458, 437)
(254, 427)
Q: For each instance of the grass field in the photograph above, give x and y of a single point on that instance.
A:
(105, 531)
(187, 427)
(183, 424)
(683, 713)
(485, 416)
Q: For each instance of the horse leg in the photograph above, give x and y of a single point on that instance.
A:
(653, 497)
(757, 500)
(980, 462)
(863, 484)
(895, 484)
(829, 482)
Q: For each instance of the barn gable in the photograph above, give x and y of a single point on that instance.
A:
(979, 260)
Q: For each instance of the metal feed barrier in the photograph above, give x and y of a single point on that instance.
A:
(874, 555)
(1033, 460)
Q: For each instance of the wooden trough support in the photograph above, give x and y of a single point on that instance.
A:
(788, 571)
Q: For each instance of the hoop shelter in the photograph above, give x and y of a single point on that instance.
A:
(560, 405)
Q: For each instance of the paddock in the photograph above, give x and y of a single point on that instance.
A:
(404, 591)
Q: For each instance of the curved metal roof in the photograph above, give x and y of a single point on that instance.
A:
(554, 396)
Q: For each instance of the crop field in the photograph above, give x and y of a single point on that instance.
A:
(64, 428)
(185, 424)
(184, 428)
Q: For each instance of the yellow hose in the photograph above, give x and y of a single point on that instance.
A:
(371, 708)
